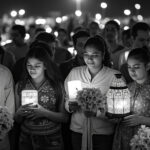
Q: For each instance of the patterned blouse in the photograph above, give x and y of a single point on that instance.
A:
(140, 105)
(47, 99)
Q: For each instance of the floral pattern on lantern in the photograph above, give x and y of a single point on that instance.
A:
(118, 98)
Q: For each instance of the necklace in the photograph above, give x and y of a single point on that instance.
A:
(37, 85)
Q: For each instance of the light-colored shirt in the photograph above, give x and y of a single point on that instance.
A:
(7, 89)
(102, 81)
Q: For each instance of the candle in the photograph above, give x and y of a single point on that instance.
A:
(73, 87)
(29, 96)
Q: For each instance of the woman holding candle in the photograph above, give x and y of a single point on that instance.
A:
(138, 66)
(95, 74)
(41, 126)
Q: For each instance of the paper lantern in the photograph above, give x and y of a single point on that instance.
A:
(118, 98)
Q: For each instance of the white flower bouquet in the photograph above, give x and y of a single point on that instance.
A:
(91, 99)
(141, 141)
(6, 121)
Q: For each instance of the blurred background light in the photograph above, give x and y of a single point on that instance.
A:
(21, 12)
(127, 12)
(126, 27)
(19, 22)
(118, 21)
(78, 13)
(64, 18)
(137, 6)
(140, 17)
(103, 5)
(58, 19)
(98, 16)
(40, 21)
(56, 33)
(48, 29)
(27, 37)
(13, 13)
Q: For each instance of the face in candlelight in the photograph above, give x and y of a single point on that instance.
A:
(35, 68)
(93, 58)
(137, 70)
(94, 55)
(139, 64)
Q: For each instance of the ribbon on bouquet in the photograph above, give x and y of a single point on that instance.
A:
(87, 134)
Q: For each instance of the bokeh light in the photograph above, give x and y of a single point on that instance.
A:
(127, 12)
(103, 5)
(13, 13)
(78, 13)
(137, 6)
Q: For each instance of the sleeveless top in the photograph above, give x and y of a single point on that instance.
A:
(47, 99)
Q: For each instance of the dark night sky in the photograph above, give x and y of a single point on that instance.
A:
(42, 7)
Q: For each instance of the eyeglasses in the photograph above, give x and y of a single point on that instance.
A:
(92, 56)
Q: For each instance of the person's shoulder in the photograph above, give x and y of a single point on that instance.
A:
(78, 69)
(111, 70)
(4, 70)
(76, 72)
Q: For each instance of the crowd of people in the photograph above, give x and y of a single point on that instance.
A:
(44, 64)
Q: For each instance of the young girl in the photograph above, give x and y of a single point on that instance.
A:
(41, 126)
(94, 75)
(138, 66)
